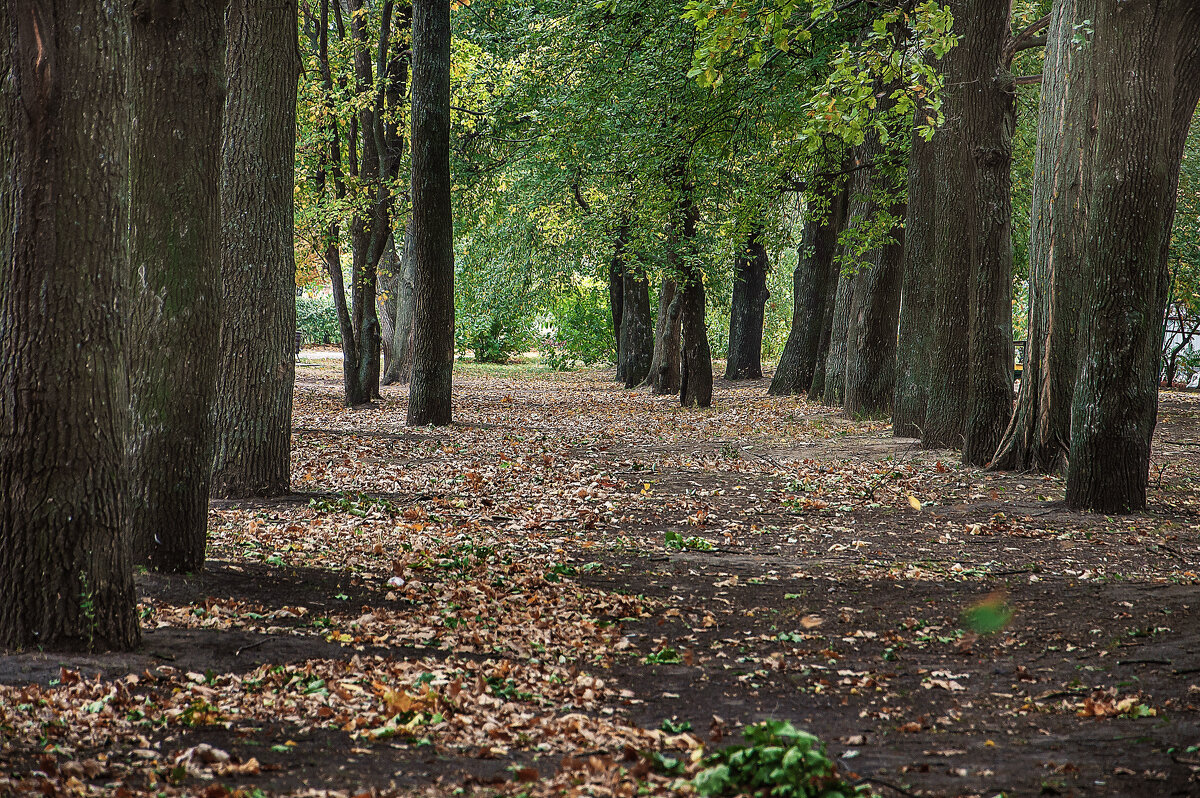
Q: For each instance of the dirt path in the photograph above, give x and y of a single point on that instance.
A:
(574, 576)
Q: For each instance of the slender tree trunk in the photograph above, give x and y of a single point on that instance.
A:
(814, 284)
(253, 411)
(695, 374)
(664, 363)
(177, 94)
(833, 382)
(433, 225)
(916, 314)
(1039, 432)
(816, 389)
(388, 302)
(1147, 79)
(66, 580)
(747, 310)
(399, 367)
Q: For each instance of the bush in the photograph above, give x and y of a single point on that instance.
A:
(779, 760)
(580, 328)
(316, 319)
(494, 338)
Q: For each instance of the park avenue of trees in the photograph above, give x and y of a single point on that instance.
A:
(165, 168)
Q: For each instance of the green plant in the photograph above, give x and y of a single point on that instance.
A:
(778, 760)
(579, 327)
(316, 319)
(674, 540)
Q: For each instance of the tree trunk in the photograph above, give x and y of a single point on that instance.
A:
(66, 580)
(637, 328)
(253, 409)
(871, 333)
(1147, 80)
(664, 361)
(1039, 432)
(911, 396)
(387, 302)
(399, 368)
(695, 374)
(433, 225)
(616, 293)
(750, 294)
(814, 284)
(990, 121)
(177, 92)
(833, 379)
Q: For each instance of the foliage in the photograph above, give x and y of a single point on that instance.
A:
(316, 318)
(579, 327)
(778, 760)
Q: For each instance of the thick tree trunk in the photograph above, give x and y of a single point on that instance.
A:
(989, 121)
(66, 580)
(177, 92)
(695, 374)
(747, 310)
(871, 333)
(814, 284)
(433, 225)
(399, 367)
(911, 396)
(616, 293)
(833, 379)
(637, 327)
(664, 362)
(253, 410)
(1039, 432)
(1147, 80)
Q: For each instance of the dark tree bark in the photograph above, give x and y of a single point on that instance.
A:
(177, 92)
(664, 363)
(66, 580)
(398, 367)
(636, 347)
(1039, 432)
(747, 310)
(814, 285)
(913, 345)
(989, 113)
(253, 409)
(1147, 81)
(871, 332)
(433, 224)
(867, 361)
(833, 378)
(695, 368)
(616, 294)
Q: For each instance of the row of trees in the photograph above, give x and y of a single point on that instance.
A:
(147, 310)
(676, 145)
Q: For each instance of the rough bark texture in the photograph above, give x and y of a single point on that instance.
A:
(913, 345)
(253, 410)
(433, 225)
(750, 294)
(664, 362)
(871, 331)
(399, 366)
(637, 327)
(1147, 79)
(177, 89)
(65, 574)
(616, 293)
(833, 379)
(1039, 432)
(814, 285)
(695, 374)
(988, 112)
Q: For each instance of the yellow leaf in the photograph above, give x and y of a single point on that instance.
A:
(914, 502)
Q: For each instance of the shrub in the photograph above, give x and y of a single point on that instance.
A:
(778, 760)
(580, 327)
(316, 319)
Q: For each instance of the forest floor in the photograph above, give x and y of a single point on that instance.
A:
(578, 589)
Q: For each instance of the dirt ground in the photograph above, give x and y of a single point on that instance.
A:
(576, 581)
